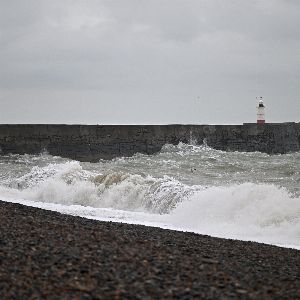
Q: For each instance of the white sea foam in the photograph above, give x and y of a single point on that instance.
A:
(263, 213)
(213, 197)
(69, 184)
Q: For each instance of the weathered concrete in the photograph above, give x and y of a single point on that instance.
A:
(93, 142)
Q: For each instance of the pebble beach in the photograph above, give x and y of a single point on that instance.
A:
(48, 255)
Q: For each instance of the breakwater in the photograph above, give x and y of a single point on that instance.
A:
(94, 142)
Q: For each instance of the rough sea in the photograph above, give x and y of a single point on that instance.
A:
(237, 195)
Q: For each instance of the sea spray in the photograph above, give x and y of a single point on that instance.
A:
(248, 211)
(249, 196)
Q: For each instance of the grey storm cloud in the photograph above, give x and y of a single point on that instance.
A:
(148, 61)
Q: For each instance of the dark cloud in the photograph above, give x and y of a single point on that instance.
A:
(142, 61)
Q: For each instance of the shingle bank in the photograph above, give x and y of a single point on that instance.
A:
(94, 142)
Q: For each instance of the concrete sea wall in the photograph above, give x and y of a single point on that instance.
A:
(94, 142)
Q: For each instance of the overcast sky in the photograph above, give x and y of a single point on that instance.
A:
(149, 61)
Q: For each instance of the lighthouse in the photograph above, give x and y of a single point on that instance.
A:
(261, 112)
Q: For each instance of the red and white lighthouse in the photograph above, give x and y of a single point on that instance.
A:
(261, 112)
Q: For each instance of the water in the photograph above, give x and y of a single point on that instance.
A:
(246, 196)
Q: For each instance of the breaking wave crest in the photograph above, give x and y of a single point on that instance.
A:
(69, 184)
(247, 196)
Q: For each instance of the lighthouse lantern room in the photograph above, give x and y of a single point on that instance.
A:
(261, 112)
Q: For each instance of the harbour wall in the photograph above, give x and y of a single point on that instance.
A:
(94, 142)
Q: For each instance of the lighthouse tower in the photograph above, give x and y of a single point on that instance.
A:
(261, 112)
